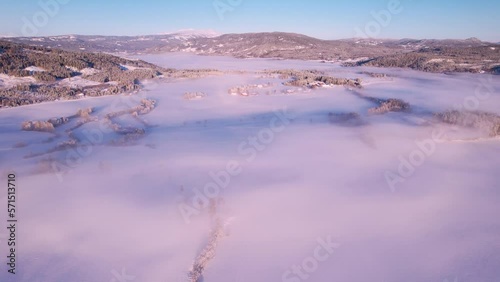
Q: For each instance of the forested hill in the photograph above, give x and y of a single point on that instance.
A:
(34, 74)
(47, 64)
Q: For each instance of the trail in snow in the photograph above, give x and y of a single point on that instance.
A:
(217, 232)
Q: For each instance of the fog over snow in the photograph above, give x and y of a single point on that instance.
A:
(295, 193)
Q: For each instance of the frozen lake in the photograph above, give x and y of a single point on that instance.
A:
(267, 187)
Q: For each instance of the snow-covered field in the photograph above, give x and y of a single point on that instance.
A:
(261, 188)
(7, 81)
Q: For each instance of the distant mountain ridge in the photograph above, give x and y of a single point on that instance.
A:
(182, 39)
(467, 55)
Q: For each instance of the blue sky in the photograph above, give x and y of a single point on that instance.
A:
(327, 19)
